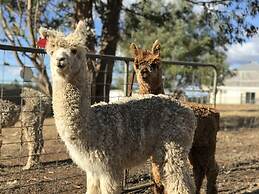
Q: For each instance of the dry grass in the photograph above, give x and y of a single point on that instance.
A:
(237, 154)
(237, 107)
(243, 110)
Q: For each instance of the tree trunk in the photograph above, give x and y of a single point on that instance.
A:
(84, 11)
(100, 78)
(108, 45)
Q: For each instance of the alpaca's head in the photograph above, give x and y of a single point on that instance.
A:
(147, 65)
(33, 98)
(67, 53)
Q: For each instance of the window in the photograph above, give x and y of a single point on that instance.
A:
(250, 97)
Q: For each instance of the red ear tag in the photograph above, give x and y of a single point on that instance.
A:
(42, 42)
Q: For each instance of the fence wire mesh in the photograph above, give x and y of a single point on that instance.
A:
(33, 159)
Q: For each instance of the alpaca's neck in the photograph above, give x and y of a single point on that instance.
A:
(146, 89)
(70, 105)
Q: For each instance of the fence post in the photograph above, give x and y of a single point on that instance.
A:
(126, 75)
(215, 86)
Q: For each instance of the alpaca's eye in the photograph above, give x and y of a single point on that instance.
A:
(51, 52)
(73, 51)
(153, 66)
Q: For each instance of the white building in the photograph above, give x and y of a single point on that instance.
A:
(243, 88)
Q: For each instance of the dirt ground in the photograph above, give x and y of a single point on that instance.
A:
(237, 155)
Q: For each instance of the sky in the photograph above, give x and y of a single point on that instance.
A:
(241, 54)
(248, 52)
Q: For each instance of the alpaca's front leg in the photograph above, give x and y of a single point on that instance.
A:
(158, 186)
(34, 137)
(111, 184)
(174, 171)
(93, 184)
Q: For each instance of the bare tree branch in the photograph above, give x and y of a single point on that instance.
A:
(208, 2)
(10, 36)
(29, 22)
(28, 35)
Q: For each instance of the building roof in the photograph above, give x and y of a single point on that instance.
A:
(253, 66)
(246, 76)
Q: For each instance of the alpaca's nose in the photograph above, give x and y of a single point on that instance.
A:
(144, 73)
(61, 62)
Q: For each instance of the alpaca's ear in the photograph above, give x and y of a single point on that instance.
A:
(81, 31)
(80, 27)
(156, 48)
(134, 49)
(43, 32)
(46, 33)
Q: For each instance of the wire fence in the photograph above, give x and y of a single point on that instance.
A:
(32, 156)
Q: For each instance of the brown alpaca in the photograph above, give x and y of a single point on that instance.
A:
(147, 65)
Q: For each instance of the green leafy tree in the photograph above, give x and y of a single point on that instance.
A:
(182, 36)
(232, 18)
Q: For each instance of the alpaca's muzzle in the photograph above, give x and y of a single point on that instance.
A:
(61, 63)
(144, 73)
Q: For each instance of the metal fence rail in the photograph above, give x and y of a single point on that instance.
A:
(126, 60)
(13, 152)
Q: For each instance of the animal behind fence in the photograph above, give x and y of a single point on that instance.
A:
(32, 115)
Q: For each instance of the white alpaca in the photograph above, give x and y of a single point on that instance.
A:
(104, 139)
(32, 115)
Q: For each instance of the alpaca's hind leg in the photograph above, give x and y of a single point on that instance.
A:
(199, 163)
(34, 137)
(158, 186)
(92, 184)
(175, 169)
(212, 169)
(212, 174)
(111, 183)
